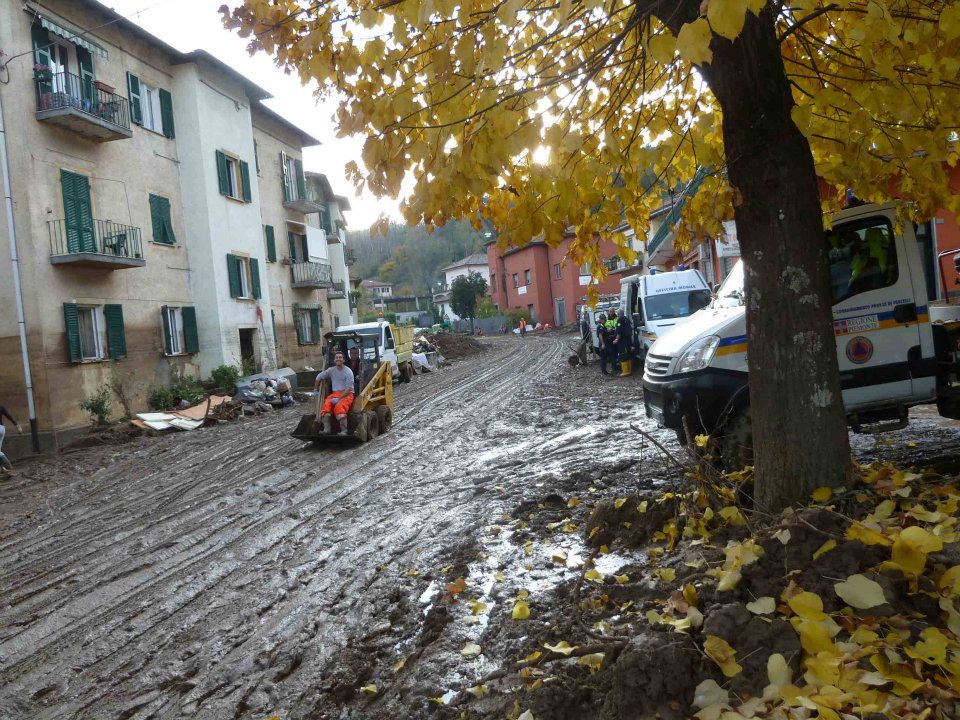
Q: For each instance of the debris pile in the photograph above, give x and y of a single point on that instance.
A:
(450, 345)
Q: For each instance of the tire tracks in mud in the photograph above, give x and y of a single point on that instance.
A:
(150, 602)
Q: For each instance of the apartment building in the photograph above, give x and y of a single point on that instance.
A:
(329, 218)
(143, 182)
(98, 211)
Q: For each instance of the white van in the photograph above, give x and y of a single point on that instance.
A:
(659, 301)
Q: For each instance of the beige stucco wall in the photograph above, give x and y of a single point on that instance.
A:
(273, 139)
(122, 174)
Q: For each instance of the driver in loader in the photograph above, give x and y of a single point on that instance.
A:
(340, 399)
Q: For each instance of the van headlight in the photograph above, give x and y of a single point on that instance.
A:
(698, 355)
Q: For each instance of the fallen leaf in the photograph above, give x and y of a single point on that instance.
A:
(911, 547)
(778, 671)
(559, 557)
(762, 606)
(477, 607)
(723, 655)
(807, 605)
(822, 494)
(526, 715)
(709, 693)
(860, 592)
(783, 536)
(622, 579)
(825, 548)
(562, 647)
(573, 502)
(499, 576)
(370, 689)
(619, 503)
(533, 657)
(399, 666)
(592, 661)
(478, 690)
(593, 575)
(412, 573)
(666, 574)
(456, 587)
(604, 550)
(521, 611)
(470, 650)
(642, 507)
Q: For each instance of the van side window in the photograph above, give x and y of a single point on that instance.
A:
(863, 257)
(387, 339)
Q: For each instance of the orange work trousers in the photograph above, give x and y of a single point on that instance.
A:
(338, 403)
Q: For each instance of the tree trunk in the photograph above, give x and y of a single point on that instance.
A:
(799, 426)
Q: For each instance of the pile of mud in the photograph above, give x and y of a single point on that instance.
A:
(117, 434)
(454, 347)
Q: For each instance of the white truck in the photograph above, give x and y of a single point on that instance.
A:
(895, 350)
(659, 301)
(395, 344)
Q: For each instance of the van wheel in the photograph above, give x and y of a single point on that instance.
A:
(736, 443)
(384, 419)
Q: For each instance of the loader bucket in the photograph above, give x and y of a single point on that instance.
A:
(307, 428)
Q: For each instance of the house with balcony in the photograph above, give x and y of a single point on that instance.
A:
(297, 268)
(101, 235)
(472, 263)
(330, 218)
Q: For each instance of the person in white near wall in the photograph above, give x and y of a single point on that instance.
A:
(5, 463)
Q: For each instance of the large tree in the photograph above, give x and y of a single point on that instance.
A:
(465, 293)
(537, 114)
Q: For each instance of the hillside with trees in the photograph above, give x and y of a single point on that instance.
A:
(411, 257)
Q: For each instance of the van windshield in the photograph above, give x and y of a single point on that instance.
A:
(731, 291)
(675, 304)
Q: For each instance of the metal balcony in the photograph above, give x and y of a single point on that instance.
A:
(337, 291)
(77, 104)
(99, 243)
(311, 275)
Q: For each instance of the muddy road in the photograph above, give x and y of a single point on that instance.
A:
(234, 572)
(224, 573)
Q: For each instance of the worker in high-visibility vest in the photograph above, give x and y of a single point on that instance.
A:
(623, 343)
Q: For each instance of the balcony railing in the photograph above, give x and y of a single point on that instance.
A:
(311, 275)
(78, 104)
(337, 290)
(95, 243)
(349, 256)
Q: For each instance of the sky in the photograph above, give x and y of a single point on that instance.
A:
(196, 24)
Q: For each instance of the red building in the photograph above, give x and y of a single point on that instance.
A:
(545, 282)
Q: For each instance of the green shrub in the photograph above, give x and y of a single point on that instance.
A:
(513, 316)
(226, 377)
(160, 398)
(98, 406)
(187, 388)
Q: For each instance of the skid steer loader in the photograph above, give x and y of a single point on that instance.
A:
(372, 411)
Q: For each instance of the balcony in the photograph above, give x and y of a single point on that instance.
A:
(311, 275)
(294, 200)
(79, 105)
(337, 291)
(97, 243)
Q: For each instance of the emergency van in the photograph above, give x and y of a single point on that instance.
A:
(891, 355)
(660, 301)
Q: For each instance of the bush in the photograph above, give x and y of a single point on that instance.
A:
(226, 377)
(160, 398)
(98, 406)
(187, 388)
(513, 316)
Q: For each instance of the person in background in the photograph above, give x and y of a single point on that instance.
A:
(523, 326)
(610, 324)
(624, 345)
(5, 463)
(354, 364)
(604, 342)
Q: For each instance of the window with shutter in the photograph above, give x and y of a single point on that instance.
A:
(223, 177)
(315, 324)
(167, 334)
(271, 243)
(136, 109)
(166, 113)
(301, 181)
(41, 56)
(287, 180)
(116, 336)
(255, 277)
(71, 318)
(78, 212)
(245, 181)
(191, 338)
(85, 61)
(160, 220)
(233, 273)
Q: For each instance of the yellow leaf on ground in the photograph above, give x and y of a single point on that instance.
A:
(822, 494)
(729, 579)
(622, 579)
(521, 611)
(783, 536)
(456, 587)
(762, 606)
(412, 573)
(911, 547)
(693, 42)
(866, 535)
(562, 647)
(825, 548)
(778, 671)
(499, 576)
(532, 657)
(807, 605)
(559, 557)
(949, 582)
(619, 503)
(573, 502)
(526, 715)
(666, 574)
(642, 507)
(932, 649)
(593, 575)
(690, 594)
(370, 689)
(399, 666)
(592, 661)
(708, 694)
(860, 592)
(470, 650)
(477, 607)
(478, 690)
(723, 655)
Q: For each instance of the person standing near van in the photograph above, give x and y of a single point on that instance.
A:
(5, 463)
(625, 344)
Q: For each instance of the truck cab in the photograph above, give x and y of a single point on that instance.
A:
(890, 355)
(395, 344)
(660, 301)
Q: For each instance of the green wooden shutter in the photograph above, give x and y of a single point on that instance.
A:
(133, 88)
(296, 323)
(166, 113)
(156, 218)
(245, 181)
(315, 325)
(167, 222)
(167, 340)
(116, 337)
(292, 245)
(271, 243)
(41, 56)
(72, 319)
(287, 181)
(78, 212)
(233, 272)
(222, 174)
(85, 60)
(301, 181)
(255, 277)
(273, 322)
(256, 156)
(191, 339)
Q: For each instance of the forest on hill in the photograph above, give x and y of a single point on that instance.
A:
(411, 257)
